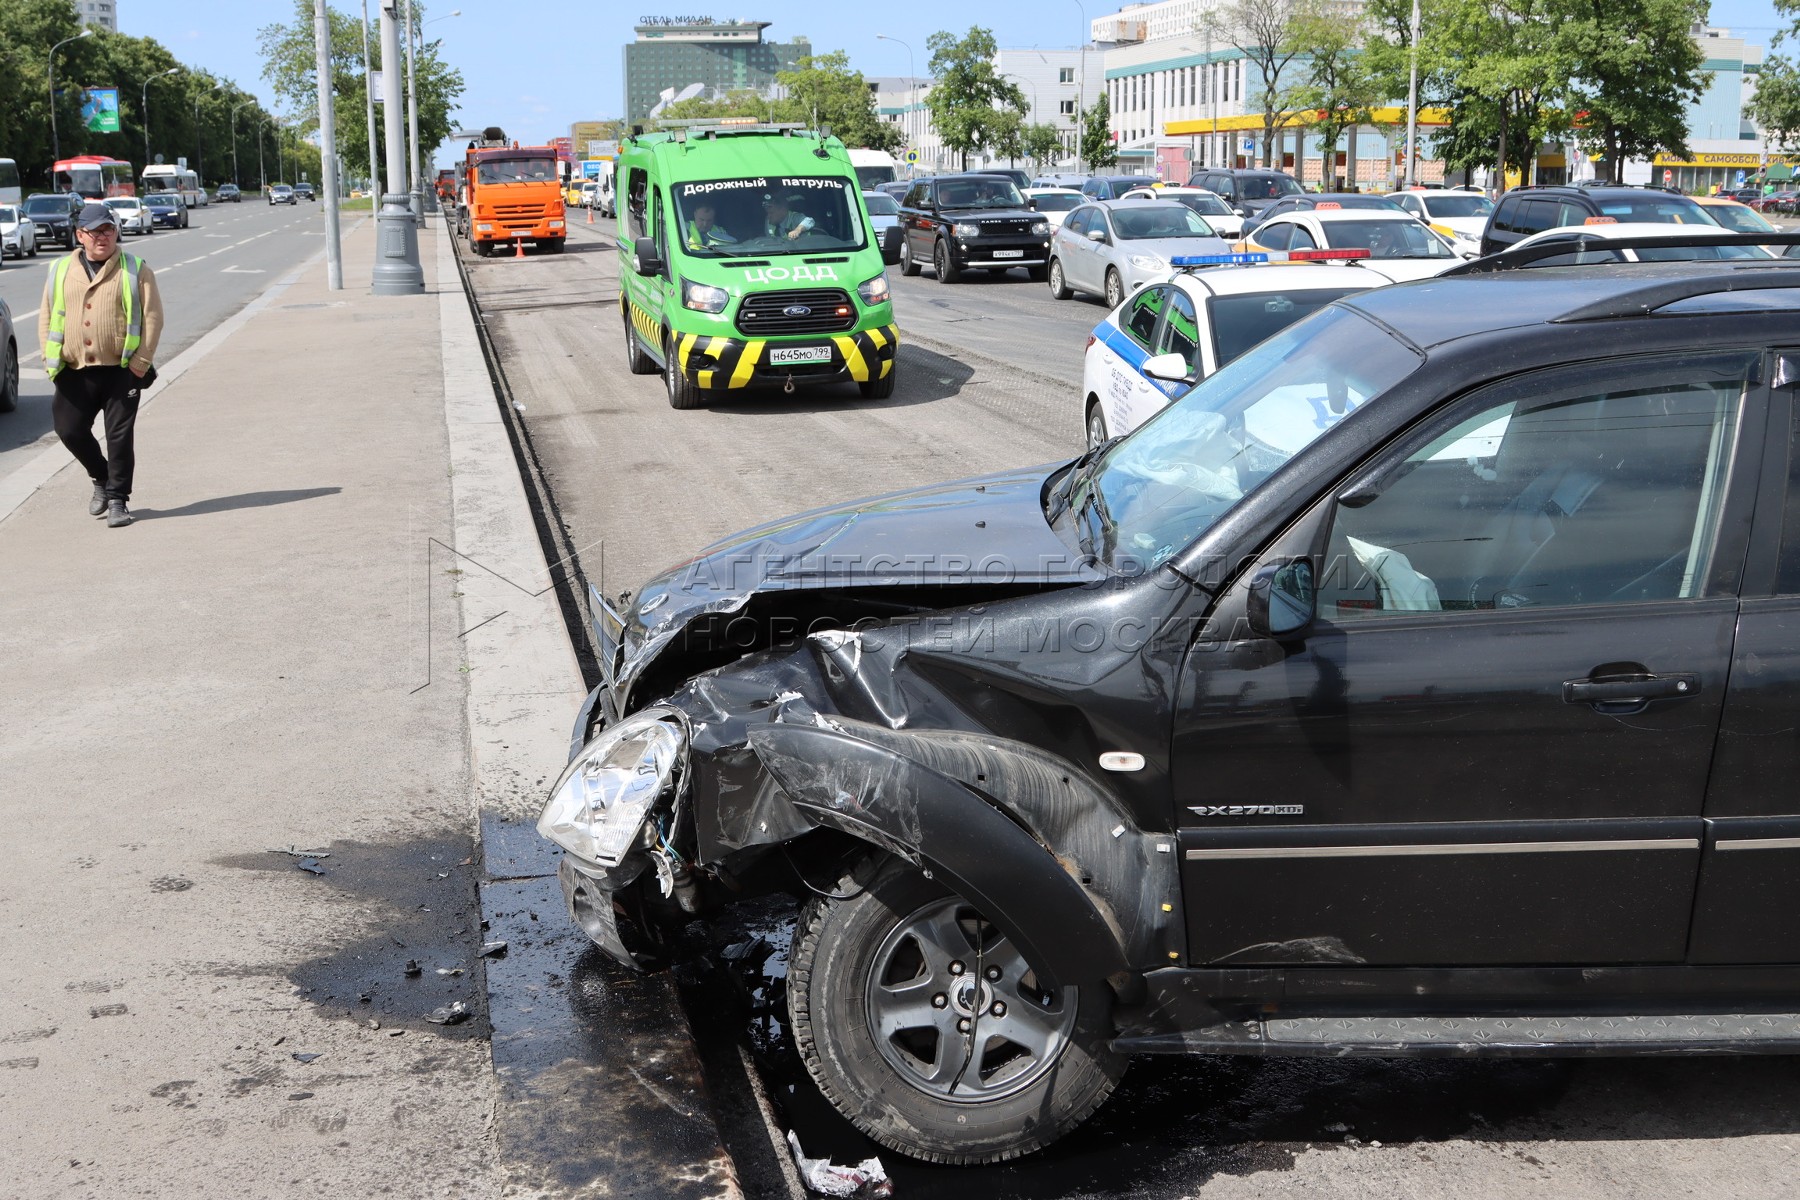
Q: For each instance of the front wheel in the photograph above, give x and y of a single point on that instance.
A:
(879, 389)
(1059, 287)
(908, 264)
(9, 378)
(923, 1024)
(552, 245)
(943, 264)
(1096, 425)
(683, 393)
(639, 362)
(1115, 289)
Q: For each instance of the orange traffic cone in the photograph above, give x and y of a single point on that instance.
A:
(590, 209)
(519, 242)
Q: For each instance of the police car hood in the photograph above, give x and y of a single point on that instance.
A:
(988, 533)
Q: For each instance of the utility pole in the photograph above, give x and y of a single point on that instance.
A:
(334, 252)
(414, 185)
(369, 103)
(1081, 91)
(236, 181)
(50, 74)
(1412, 102)
(144, 108)
(397, 268)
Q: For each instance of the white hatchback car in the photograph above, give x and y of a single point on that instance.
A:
(1404, 246)
(1055, 202)
(1460, 214)
(18, 232)
(131, 214)
(1172, 334)
(1226, 221)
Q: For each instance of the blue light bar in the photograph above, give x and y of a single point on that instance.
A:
(1217, 260)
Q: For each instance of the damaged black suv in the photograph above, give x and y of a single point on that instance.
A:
(1424, 682)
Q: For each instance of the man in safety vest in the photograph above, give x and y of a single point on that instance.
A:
(704, 232)
(99, 323)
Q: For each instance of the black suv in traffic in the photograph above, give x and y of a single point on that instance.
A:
(1423, 682)
(305, 191)
(959, 223)
(230, 192)
(1528, 210)
(1247, 190)
(54, 215)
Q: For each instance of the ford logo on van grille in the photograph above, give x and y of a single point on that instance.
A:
(796, 310)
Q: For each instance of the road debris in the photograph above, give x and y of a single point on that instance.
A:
(492, 950)
(310, 866)
(452, 1014)
(298, 853)
(305, 1058)
(412, 968)
(867, 1179)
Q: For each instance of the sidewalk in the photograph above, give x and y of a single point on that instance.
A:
(251, 668)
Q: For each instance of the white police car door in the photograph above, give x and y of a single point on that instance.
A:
(1130, 397)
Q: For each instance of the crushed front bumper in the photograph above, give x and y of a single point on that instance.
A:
(591, 908)
(722, 363)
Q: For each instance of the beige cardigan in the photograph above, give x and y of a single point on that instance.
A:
(94, 320)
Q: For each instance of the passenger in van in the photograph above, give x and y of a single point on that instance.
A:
(781, 221)
(703, 232)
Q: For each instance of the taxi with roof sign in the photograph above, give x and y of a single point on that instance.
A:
(1405, 246)
(1588, 244)
(1171, 334)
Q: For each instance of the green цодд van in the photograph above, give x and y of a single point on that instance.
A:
(747, 259)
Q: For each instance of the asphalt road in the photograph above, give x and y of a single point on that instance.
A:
(988, 379)
(207, 272)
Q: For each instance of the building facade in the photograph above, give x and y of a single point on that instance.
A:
(1059, 85)
(677, 60)
(101, 14)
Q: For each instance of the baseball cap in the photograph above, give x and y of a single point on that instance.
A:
(94, 215)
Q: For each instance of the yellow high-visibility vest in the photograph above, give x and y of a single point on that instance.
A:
(131, 298)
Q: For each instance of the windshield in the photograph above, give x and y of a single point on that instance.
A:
(164, 199)
(870, 176)
(1387, 239)
(1143, 222)
(47, 206)
(530, 169)
(1668, 210)
(1267, 187)
(1159, 488)
(1743, 220)
(1240, 322)
(979, 193)
(764, 216)
(880, 204)
(1059, 201)
(9, 215)
(1443, 207)
(1206, 206)
(124, 204)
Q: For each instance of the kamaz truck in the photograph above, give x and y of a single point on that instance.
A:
(509, 193)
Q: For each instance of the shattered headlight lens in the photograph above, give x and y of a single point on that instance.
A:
(874, 291)
(598, 808)
(703, 297)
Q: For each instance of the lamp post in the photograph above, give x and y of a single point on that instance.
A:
(369, 105)
(1081, 89)
(50, 74)
(236, 182)
(1412, 103)
(1034, 103)
(912, 89)
(412, 123)
(427, 194)
(262, 176)
(199, 162)
(144, 108)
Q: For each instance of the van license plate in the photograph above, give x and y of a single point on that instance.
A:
(800, 354)
(1009, 254)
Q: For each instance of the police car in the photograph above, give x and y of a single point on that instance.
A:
(1171, 334)
(1405, 247)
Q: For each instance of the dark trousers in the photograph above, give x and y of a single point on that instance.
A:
(85, 394)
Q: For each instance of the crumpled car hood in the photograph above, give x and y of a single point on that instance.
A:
(984, 531)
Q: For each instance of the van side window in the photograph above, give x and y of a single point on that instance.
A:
(659, 227)
(634, 201)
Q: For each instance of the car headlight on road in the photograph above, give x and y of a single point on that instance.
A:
(966, 231)
(874, 291)
(1040, 229)
(598, 808)
(703, 297)
(1148, 262)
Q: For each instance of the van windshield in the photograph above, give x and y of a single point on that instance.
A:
(767, 216)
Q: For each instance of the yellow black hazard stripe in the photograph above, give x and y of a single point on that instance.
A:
(715, 363)
(645, 322)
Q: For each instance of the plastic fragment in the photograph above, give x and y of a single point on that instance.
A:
(453, 1014)
(298, 853)
(305, 1058)
(412, 968)
(300, 1095)
(492, 950)
(866, 1179)
(310, 866)
(449, 970)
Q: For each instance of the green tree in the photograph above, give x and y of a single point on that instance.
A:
(969, 96)
(1776, 105)
(1043, 145)
(1263, 31)
(1098, 150)
(1338, 88)
(828, 92)
(1635, 71)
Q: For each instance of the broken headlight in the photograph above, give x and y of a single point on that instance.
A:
(598, 808)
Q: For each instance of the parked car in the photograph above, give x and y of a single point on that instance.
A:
(1220, 215)
(230, 192)
(884, 223)
(1528, 210)
(53, 214)
(1020, 179)
(971, 222)
(305, 191)
(1404, 246)
(131, 214)
(897, 189)
(1420, 684)
(1113, 247)
(1312, 200)
(1248, 190)
(1111, 187)
(1739, 218)
(282, 193)
(1459, 214)
(1592, 244)
(18, 233)
(1054, 202)
(167, 208)
(9, 361)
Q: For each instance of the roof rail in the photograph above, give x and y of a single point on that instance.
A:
(1648, 299)
(1577, 241)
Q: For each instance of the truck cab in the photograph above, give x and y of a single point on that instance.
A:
(508, 193)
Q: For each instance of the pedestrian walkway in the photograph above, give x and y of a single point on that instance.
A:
(240, 760)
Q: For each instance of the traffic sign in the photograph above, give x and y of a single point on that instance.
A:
(1740, 177)
(912, 156)
(1668, 176)
(1247, 146)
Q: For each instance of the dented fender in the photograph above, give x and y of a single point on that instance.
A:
(986, 855)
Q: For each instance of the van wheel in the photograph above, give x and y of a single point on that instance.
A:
(683, 393)
(946, 270)
(879, 389)
(639, 362)
(908, 264)
(1059, 287)
(928, 1030)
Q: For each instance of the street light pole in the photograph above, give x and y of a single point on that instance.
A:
(397, 268)
(1412, 101)
(144, 108)
(334, 255)
(235, 181)
(428, 194)
(50, 74)
(912, 86)
(369, 104)
(414, 187)
(199, 161)
(1081, 91)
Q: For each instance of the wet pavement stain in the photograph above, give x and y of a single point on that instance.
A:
(423, 904)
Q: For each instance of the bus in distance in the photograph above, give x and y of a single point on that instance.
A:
(164, 177)
(92, 175)
(10, 192)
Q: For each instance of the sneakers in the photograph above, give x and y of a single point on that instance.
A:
(97, 505)
(117, 515)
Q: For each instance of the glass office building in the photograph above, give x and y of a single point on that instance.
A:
(676, 61)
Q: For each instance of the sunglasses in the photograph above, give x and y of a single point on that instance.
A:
(103, 231)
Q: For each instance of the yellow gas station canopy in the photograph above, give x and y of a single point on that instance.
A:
(1299, 118)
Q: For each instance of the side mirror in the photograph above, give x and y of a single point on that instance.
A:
(1031, 203)
(1096, 235)
(1170, 367)
(645, 259)
(1282, 603)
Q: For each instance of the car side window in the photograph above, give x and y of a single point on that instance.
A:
(1181, 331)
(1076, 222)
(1505, 213)
(1141, 314)
(1302, 240)
(1275, 235)
(1225, 186)
(635, 190)
(1787, 575)
(1536, 216)
(915, 196)
(1543, 496)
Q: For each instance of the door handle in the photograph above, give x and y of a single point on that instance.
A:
(1631, 690)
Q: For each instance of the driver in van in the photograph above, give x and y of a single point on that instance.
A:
(780, 219)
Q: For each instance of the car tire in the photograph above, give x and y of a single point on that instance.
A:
(1115, 289)
(1059, 287)
(909, 266)
(33, 248)
(639, 362)
(1037, 274)
(879, 389)
(943, 264)
(684, 394)
(894, 923)
(1096, 424)
(9, 378)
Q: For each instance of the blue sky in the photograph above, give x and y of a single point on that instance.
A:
(533, 69)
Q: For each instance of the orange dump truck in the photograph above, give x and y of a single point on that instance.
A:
(507, 192)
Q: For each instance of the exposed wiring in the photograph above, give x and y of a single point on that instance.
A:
(814, 888)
